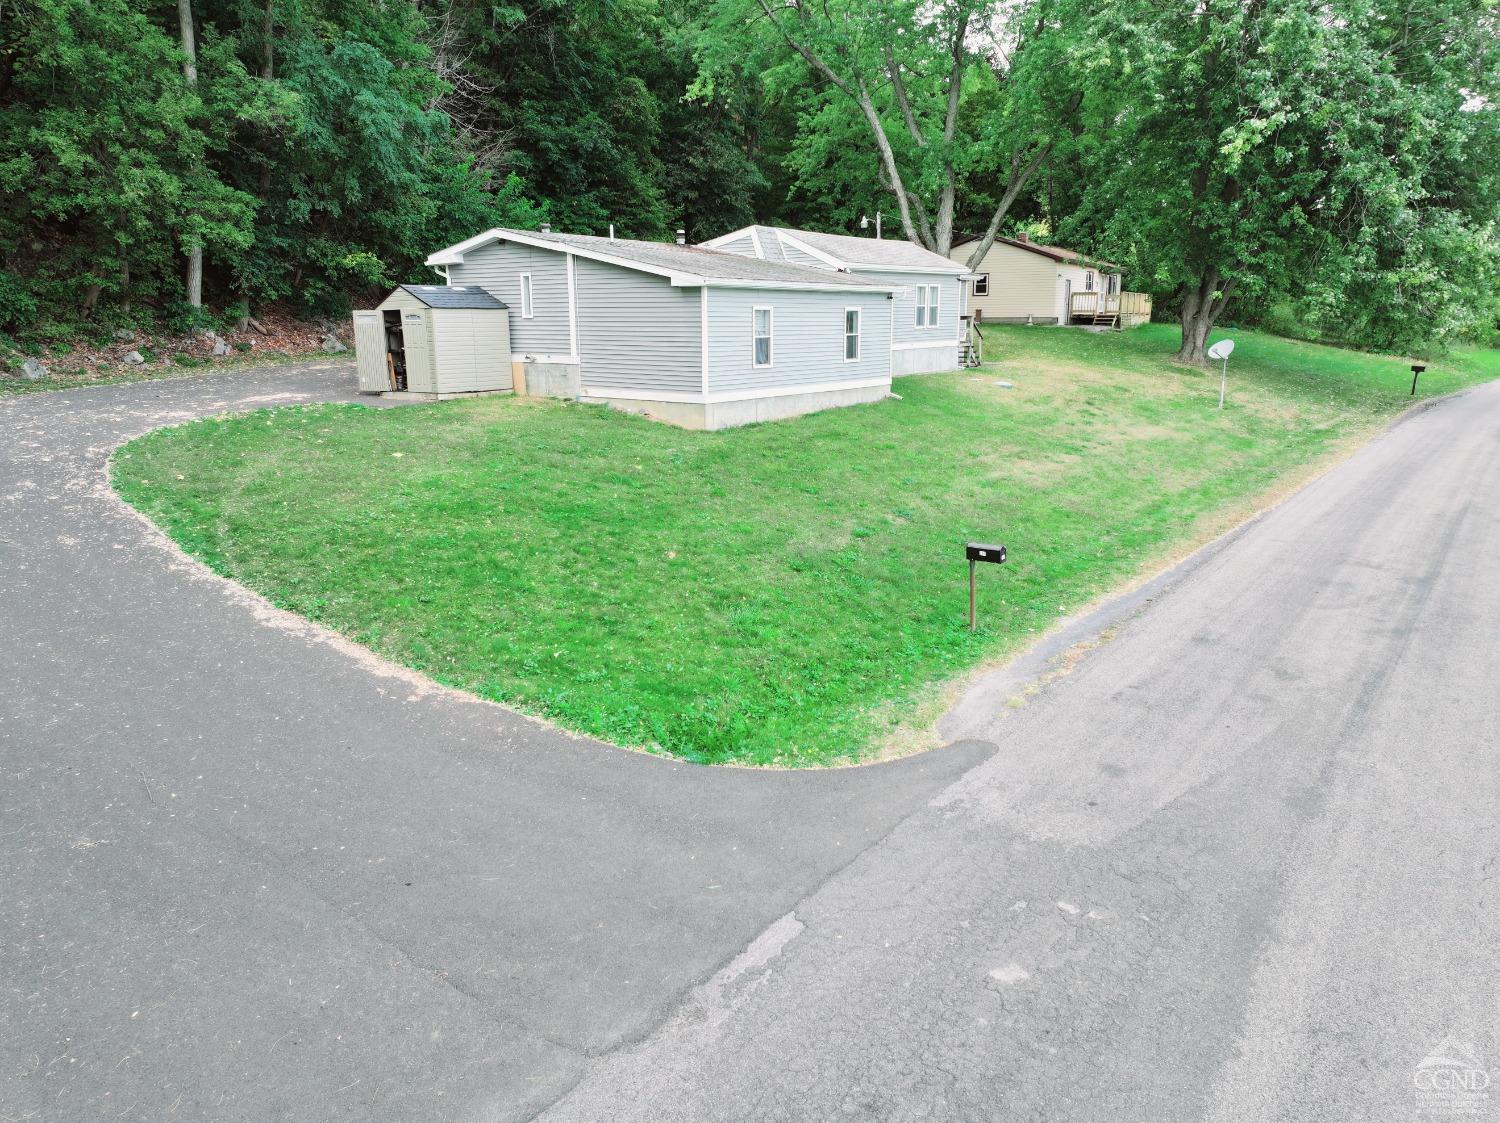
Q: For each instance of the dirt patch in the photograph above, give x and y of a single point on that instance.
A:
(279, 336)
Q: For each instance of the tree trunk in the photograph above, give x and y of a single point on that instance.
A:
(124, 283)
(1202, 305)
(194, 279)
(268, 32)
(91, 299)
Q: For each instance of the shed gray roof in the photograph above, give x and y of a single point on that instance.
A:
(668, 257)
(453, 296)
(867, 253)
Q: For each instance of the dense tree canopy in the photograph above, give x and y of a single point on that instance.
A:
(1329, 164)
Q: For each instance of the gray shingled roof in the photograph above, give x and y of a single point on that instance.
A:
(714, 265)
(453, 296)
(1056, 253)
(870, 253)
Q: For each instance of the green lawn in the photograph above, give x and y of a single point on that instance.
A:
(792, 593)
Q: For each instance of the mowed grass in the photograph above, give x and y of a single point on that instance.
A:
(788, 594)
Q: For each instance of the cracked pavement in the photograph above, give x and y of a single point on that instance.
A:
(1238, 864)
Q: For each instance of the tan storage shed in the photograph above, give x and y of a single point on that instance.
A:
(434, 340)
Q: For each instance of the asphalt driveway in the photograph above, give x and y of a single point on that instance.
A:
(253, 873)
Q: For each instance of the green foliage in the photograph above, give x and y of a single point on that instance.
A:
(1338, 157)
(17, 305)
(784, 593)
(1330, 162)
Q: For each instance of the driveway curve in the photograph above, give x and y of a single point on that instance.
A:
(253, 872)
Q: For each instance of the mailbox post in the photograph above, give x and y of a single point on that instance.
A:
(978, 552)
(1416, 369)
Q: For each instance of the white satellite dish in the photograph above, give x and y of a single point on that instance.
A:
(1220, 350)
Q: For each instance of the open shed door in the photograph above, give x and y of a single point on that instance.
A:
(370, 352)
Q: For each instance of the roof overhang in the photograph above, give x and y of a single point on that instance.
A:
(454, 255)
(870, 267)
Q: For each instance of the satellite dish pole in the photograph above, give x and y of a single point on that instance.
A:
(1221, 350)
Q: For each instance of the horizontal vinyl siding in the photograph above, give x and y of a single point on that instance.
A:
(744, 245)
(950, 305)
(1022, 284)
(497, 268)
(637, 332)
(802, 257)
(807, 341)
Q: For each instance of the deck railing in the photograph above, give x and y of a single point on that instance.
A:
(1116, 309)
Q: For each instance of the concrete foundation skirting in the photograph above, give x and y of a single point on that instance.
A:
(551, 380)
(1040, 320)
(937, 359)
(727, 415)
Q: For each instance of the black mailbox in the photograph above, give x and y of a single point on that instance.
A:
(985, 552)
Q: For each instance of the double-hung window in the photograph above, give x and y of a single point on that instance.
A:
(927, 306)
(851, 335)
(526, 310)
(982, 285)
(1088, 280)
(760, 336)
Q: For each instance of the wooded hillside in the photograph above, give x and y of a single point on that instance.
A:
(1332, 164)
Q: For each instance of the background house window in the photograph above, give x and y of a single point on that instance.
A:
(982, 285)
(927, 306)
(760, 320)
(526, 311)
(1112, 283)
(1088, 281)
(851, 334)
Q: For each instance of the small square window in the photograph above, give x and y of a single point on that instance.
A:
(982, 285)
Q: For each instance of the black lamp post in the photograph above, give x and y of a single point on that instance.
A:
(1416, 369)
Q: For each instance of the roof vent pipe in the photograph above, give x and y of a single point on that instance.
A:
(682, 237)
(546, 228)
(611, 231)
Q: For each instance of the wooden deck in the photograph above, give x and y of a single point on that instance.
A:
(1109, 309)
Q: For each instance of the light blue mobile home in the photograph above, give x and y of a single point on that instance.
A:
(931, 300)
(694, 336)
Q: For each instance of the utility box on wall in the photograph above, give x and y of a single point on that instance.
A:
(434, 340)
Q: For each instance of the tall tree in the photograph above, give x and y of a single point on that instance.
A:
(906, 69)
(1264, 147)
(194, 280)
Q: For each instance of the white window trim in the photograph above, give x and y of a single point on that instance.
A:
(982, 279)
(528, 301)
(859, 334)
(928, 302)
(770, 336)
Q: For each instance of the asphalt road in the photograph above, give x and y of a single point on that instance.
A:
(1240, 864)
(251, 873)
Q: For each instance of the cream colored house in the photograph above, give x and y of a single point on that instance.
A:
(1023, 282)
